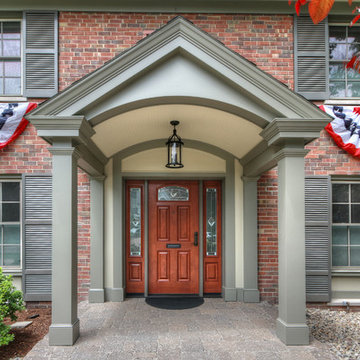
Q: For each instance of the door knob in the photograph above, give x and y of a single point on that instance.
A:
(196, 238)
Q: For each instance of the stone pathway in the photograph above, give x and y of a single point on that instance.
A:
(215, 330)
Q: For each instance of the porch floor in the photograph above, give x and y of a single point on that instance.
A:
(214, 330)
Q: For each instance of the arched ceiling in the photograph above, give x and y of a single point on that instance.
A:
(224, 130)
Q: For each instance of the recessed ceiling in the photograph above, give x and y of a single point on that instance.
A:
(224, 130)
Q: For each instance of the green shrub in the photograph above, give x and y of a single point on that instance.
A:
(11, 300)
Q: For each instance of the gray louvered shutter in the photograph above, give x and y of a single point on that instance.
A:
(317, 237)
(40, 54)
(37, 237)
(311, 58)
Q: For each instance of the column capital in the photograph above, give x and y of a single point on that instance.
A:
(290, 152)
(281, 130)
(65, 151)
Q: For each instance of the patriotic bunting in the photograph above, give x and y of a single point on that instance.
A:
(345, 128)
(12, 121)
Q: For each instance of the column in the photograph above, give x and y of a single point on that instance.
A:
(251, 292)
(96, 292)
(64, 329)
(291, 325)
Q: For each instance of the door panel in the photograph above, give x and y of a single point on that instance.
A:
(173, 220)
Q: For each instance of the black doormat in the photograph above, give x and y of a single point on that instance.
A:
(174, 303)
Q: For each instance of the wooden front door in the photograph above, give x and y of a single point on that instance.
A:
(173, 237)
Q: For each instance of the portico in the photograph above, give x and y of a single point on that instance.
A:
(236, 122)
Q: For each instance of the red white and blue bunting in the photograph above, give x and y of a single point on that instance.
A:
(345, 128)
(12, 121)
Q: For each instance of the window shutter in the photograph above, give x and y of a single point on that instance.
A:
(40, 54)
(311, 58)
(317, 238)
(37, 237)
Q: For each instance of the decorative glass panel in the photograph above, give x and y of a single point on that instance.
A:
(135, 222)
(211, 240)
(173, 193)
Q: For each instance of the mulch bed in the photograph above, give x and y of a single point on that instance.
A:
(26, 338)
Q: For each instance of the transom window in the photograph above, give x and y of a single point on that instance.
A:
(10, 58)
(346, 224)
(344, 42)
(173, 193)
(10, 238)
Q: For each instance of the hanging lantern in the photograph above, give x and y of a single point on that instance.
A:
(174, 145)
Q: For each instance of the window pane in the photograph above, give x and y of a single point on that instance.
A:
(352, 50)
(10, 191)
(352, 74)
(1, 86)
(11, 48)
(339, 256)
(12, 68)
(10, 212)
(355, 235)
(340, 213)
(337, 89)
(339, 235)
(11, 30)
(211, 241)
(135, 222)
(355, 192)
(354, 255)
(340, 193)
(1, 264)
(11, 255)
(337, 34)
(337, 71)
(11, 234)
(12, 86)
(353, 34)
(353, 89)
(1, 68)
(355, 213)
(173, 193)
(337, 51)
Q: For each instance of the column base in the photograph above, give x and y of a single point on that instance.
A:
(229, 294)
(96, 296)
(64, 334)
(251, 296)
(114, 294)
(292, 334)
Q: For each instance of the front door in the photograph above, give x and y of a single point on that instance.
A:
(173, 237)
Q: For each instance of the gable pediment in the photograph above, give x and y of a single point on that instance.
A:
(206, 71)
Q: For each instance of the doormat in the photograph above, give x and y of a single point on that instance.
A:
(174, 303)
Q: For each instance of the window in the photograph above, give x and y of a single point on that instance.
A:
(10, 224)
(346, 224)
(10, 58)
(344, 42)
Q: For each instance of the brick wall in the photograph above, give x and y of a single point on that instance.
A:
(87, 40)
(268, 236)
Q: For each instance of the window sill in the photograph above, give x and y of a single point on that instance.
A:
(344, 272)
(12, 98)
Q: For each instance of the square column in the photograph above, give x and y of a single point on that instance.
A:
(64, 329)
(251, 291)
(291, 325)
(96, 292)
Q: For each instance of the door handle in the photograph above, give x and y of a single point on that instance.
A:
(196, 238)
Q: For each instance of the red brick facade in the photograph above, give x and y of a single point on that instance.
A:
(88, 40)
